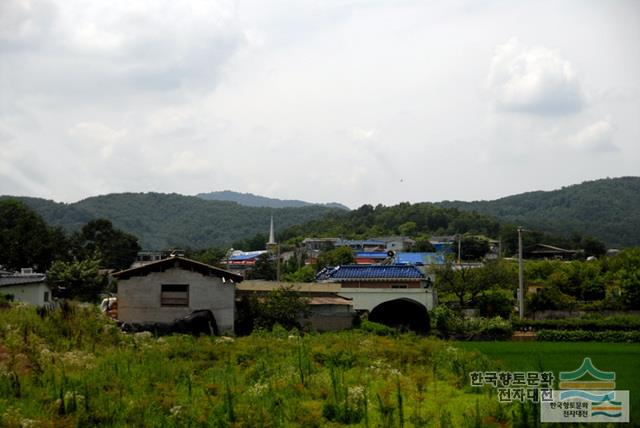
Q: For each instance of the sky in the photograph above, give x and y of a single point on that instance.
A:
(351, 101)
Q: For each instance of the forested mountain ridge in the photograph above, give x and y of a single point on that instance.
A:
(162, 221)
(251, 200)
(608, 209)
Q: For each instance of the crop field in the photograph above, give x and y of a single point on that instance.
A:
(622, 358)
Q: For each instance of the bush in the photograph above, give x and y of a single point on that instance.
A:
(550, 297)
(443, 318)
(448, 323)
(283, 306)
(496, 303)
(5, 300)
(376, 328)
(588, 336)
(619, 323)
(482, 329)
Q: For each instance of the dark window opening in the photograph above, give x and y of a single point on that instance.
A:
(174, 295)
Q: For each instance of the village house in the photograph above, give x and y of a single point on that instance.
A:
(26, 286)
(373, 276)
(544, 251)
(169, 289)
(327, 311)
(394, 295)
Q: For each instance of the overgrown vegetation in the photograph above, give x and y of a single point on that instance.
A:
(72, 367)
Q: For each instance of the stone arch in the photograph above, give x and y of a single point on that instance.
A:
(403, 314)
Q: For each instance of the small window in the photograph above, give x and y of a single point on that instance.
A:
(399, 286)
(46, 296)
(174, 295)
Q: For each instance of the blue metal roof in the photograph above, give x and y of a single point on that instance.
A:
(249, 255)
(364, 242)
(371, 255)
(359, 272)
(443, 247)
(420, 258)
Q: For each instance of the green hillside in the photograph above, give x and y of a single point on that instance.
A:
(251, 200)
(608, 209)
(171, 220)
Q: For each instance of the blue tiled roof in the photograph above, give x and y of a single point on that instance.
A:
(359, 272)
(420, 258)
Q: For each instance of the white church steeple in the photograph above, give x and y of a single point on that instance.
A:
(272, 237)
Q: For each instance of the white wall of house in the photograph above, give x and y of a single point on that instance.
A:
(139, 298)
(369, 298)
(36, 294)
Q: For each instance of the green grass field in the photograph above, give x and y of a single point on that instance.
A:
(623, 358)
(72, 367)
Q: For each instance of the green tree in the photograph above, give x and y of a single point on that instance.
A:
(461, 282)
(283, 306)
(211, 256)
(304, 274)
(265, 268)
(549, 297)
(473, 248)
(423, 245)
(468, 283)
(593, 247)
(408, 229)
(26, 240)
(336, 257)
(80, 279)
(118, 249)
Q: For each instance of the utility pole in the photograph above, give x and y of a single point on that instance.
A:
(278, 264)
(459, 248)
(520, 274)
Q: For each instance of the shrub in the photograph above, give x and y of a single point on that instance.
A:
(588, 336)
(550, 297)
(443, 318)
(5, 299)
(376, 328)
(496, 303)
(283, 306)
(619, 323)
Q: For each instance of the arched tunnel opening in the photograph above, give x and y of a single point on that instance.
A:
(402, 314)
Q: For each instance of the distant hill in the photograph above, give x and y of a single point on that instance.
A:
(161, 220)
(251, 200)
(608, 209)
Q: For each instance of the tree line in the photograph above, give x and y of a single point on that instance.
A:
(73, 261)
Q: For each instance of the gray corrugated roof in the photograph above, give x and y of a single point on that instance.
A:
(18, 279)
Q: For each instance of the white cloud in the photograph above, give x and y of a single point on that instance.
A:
(597, 137)
(360, 134)
(534, 80)
(327, 100)
(97, 137)
(24, 21)
(188, 162)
